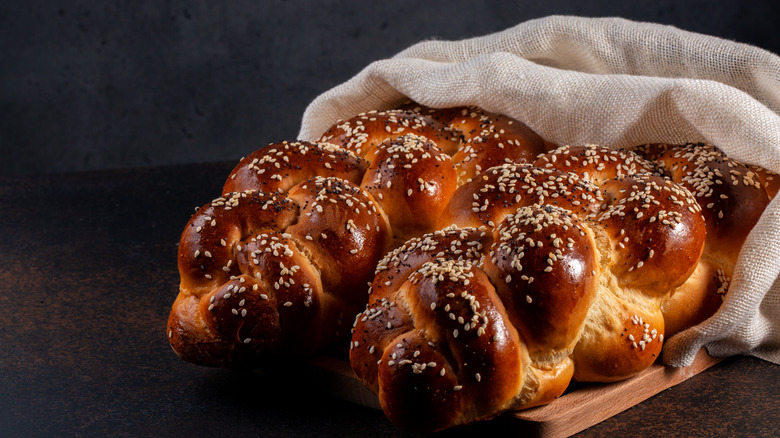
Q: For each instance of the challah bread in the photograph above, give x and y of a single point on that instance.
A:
(409, 175)
(487, 199)
(278, 167)
(514, 266)
(655, 233)
(367, 130)
(639, 225)
(733, 196)
(201, 328)
(595, 163)
(298, 232)
(274, 275)
(556, 281)
(485, 139)
(769, 180)
(632, 210)
(441, 325)
(418, 156)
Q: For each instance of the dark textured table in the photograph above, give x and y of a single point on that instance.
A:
(88, 274)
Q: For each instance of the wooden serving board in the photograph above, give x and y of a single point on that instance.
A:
(575, 411)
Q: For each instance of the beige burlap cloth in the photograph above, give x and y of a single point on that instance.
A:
(612, 82)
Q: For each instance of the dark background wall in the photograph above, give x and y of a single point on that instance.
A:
(108, 84)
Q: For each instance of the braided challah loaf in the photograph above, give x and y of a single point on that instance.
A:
(545, 276)
(280, 264)
(498, 267)
(264, 274)
(732, 196)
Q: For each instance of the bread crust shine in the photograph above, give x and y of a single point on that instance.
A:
(487, 267)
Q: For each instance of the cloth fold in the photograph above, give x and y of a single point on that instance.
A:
(616, 83)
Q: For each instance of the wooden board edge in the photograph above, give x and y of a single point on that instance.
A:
(571, 413)
(594, 403)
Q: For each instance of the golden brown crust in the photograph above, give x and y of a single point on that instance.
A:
(695, 300)
(344, 231)
(491, 140)
(451, 243)
(456, 359)
(731, 195)
(620, 339)
(216, 231)
(656, 229)
(769, 180)
(544, 264)
(277, 167)
(499, 191)
(274, 275)
(595, 163)
(486, 139)
(408, 175)
(367, 130)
